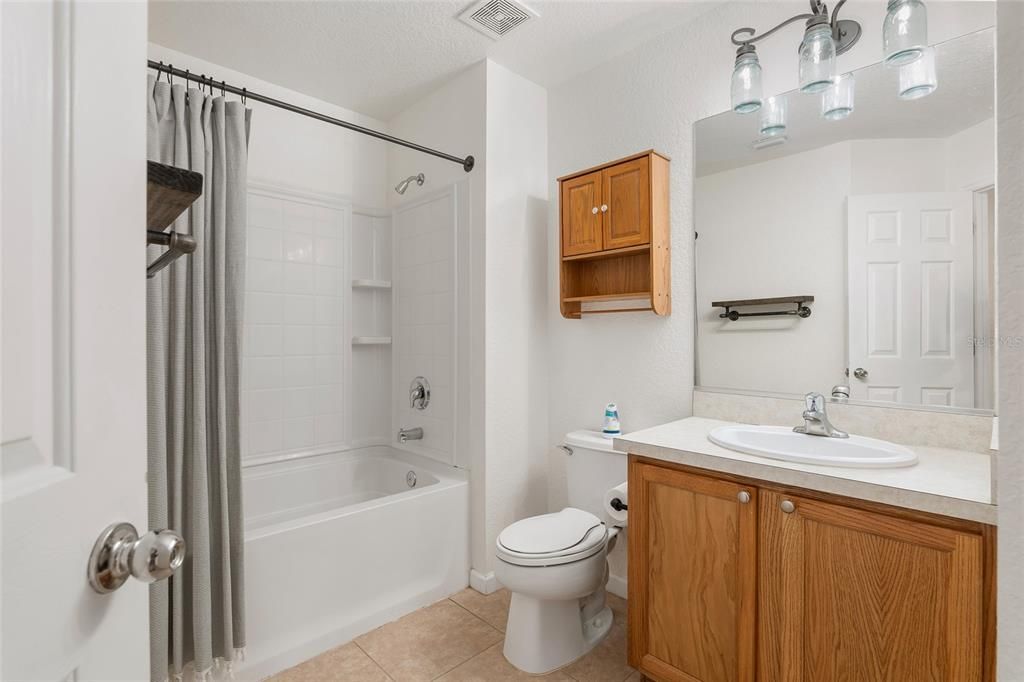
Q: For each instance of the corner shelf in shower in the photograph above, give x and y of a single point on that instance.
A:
(371, 284)
(371, 340)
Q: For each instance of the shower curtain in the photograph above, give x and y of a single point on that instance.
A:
(194, 316)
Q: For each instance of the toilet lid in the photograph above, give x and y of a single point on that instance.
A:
(568, 532)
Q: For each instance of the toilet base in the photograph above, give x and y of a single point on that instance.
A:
(545, 635)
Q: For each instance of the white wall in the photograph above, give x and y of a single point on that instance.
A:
(516, 353)
(650, 97)
(1010, 463)
(791, 217)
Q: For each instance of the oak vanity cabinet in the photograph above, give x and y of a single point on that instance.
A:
(734, 580)
(614, 234)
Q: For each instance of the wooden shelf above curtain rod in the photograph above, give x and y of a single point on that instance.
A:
(169, 192)
(801, 309)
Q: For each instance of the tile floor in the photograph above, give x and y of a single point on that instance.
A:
(456, 640)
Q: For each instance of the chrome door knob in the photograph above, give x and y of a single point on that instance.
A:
(594, 210)
(604, 208)
(860, 373)
(119, 552)
(787, 507)
(743, 496)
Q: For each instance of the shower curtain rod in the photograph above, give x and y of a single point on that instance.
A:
(466, 163)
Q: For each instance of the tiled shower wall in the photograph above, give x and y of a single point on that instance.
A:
(292, 390)
(303, 390)
(425, 259)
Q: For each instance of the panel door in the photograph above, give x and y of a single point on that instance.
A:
(626, 196)
(911, 279)
(692, 576)
(73, 326)
(847, 594)
(581, 214)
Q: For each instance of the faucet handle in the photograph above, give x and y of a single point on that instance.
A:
(814, 402)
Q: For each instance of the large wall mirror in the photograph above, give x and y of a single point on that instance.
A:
(885, 217)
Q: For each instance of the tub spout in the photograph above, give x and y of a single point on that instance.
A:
(415, 433)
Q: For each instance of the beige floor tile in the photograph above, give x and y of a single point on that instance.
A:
(347, 662)
(493, 607)
(607, 661)
(618, 605)
(428, 643)
(491, 666)
(635, 677)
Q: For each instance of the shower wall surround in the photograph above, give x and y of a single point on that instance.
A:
(294, 354)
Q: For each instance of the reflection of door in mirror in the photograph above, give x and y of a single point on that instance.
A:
(911, 291)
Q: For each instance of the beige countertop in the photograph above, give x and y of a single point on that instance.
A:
(948, 482)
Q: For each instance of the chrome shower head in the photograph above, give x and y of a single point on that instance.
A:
(404, 184)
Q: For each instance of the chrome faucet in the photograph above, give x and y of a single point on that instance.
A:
(415, 433)
(816, 421)
(419, 393)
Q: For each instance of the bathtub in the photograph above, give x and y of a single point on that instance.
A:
(337, 544)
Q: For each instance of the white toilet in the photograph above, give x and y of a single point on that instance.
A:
(556, 567)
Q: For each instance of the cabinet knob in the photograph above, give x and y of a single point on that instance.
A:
(594, 210)
(743, 496)
(604, 208)
(787, 507)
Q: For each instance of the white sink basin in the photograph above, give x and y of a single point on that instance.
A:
(781, 442)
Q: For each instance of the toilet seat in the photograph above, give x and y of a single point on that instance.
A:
(552, 539)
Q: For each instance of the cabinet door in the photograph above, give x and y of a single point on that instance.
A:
(692, 581)
(847, 594)
(581, 214)
(626, 194)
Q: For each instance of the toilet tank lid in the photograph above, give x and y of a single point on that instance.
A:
(591, 440)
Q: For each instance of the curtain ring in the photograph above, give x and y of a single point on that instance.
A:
(202, 83)
(243, 97)
(170, 74)
(222, 94)
(160, 72)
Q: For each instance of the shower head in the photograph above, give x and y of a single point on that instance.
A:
(404, 184)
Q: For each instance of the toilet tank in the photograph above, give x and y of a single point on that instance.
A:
(592, 468)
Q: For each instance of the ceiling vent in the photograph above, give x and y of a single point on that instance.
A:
(497, 18)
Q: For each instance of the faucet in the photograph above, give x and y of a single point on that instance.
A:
(415, 433)
(419, 393)
(816, 421)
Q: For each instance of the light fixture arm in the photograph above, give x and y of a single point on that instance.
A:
(845, 32)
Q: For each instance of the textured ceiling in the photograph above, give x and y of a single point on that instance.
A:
(965, 68)
(378, 57)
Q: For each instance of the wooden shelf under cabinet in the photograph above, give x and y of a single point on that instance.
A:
(614, 223)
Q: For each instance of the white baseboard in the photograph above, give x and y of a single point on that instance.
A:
(617, 586)
(484, 583)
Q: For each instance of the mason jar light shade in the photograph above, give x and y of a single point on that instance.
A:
(746, 82)
(837, 100)
(918, 79)
(817, 58)
(904, 31)
(773, 116)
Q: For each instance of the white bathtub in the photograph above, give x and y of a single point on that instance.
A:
(338, 544)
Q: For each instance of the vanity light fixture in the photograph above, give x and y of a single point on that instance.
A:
(826, 36)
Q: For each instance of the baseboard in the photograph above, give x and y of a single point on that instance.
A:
(617, 586)
(484, 583)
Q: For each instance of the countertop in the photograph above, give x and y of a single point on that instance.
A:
(947, 482)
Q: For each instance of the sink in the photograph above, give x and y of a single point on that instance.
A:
(781, 442)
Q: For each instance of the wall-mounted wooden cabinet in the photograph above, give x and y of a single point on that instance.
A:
(733, 580)
(615, 236)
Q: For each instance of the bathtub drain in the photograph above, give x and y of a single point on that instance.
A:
(410, 479)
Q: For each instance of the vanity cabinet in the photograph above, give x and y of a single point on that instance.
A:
(733, 579)
(614, 235)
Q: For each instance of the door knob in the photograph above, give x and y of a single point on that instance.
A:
(119, 552)
(860, 373)
(594, 210)
(787, 506)
(604, 208)
(743, 496)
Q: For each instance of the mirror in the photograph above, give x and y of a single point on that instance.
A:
(885, 217)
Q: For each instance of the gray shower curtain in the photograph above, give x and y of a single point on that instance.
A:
(194, 318)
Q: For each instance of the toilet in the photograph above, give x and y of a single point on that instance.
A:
(556, 566)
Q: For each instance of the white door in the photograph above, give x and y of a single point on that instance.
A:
(73, 457)
(911, 270)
